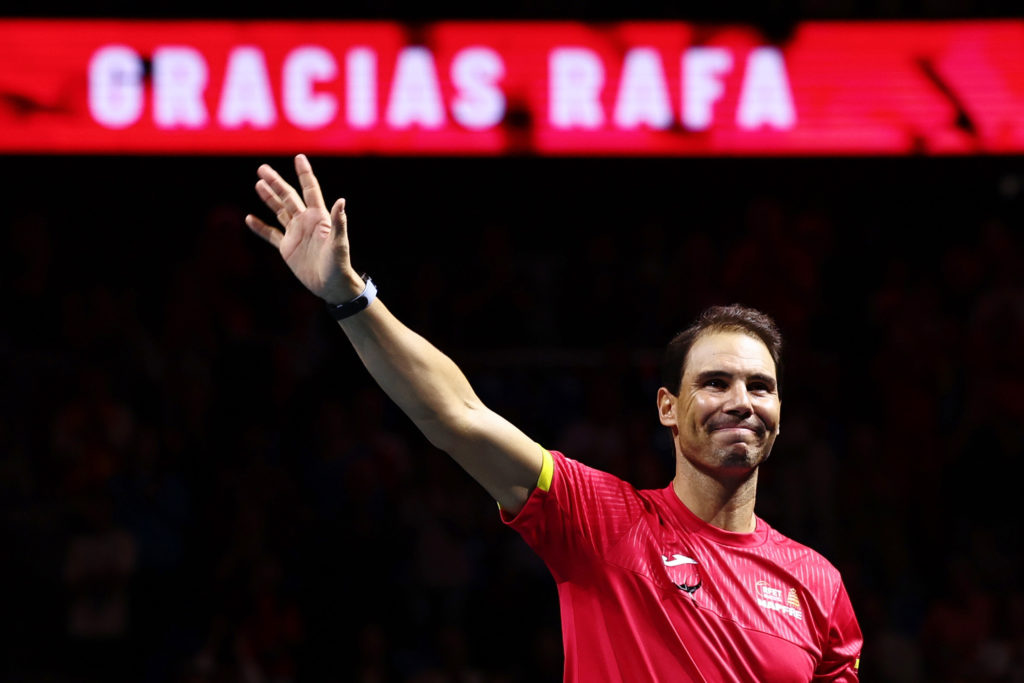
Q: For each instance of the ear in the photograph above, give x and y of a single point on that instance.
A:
(667, 407)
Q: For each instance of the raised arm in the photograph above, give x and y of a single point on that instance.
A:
(424, 382)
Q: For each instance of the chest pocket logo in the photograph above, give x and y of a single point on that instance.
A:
(684, 572)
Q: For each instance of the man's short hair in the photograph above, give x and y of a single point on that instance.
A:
(732, 318)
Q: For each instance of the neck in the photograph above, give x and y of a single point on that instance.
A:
(723, 501)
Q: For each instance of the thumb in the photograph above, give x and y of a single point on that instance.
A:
(338, 218)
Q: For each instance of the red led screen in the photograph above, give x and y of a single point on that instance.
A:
(489, 88)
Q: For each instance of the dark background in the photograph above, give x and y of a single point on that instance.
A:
(199, 482)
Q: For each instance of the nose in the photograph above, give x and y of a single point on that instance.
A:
(737, 401)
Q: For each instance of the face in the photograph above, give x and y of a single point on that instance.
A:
(726, 416)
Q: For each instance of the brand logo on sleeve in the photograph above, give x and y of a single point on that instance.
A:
(778, 599)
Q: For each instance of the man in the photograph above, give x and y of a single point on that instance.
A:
(679, 584)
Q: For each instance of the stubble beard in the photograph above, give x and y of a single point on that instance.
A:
(732, 460)
(738, 456)
(741, 454)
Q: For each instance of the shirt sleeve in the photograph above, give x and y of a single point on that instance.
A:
(840, 660)
(581, 512)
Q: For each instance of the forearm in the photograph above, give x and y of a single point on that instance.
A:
(435, 394)
(425, 383)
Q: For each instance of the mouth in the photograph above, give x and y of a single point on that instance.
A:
(732, 428)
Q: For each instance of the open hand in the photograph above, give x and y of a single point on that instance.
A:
(314, 243)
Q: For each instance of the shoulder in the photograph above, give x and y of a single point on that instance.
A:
(578, 515)
(802, 560)
(575, 475)
(569, 487)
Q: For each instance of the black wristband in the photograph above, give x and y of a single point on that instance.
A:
(350, 308)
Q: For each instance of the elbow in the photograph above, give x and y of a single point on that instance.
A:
(451, 429)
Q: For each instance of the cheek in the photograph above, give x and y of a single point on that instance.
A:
(769, 414)
(699, 409)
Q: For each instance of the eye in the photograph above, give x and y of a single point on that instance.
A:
(715, 383)
(759, 387)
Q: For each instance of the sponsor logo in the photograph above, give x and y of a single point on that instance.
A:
(771, 598)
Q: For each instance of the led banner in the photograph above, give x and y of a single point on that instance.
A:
(490, 88)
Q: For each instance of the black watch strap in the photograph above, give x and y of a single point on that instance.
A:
(350, 308)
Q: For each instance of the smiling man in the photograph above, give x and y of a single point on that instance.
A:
(683, 583)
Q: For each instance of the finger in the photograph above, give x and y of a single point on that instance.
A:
(265, 231)
(285, 192)
(273, 202)
(308, 182)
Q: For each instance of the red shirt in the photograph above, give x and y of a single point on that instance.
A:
(649, 592)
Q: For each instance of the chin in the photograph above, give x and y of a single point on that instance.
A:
(739, 456)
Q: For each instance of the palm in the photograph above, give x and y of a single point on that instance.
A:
(307, 248)
(315, 242)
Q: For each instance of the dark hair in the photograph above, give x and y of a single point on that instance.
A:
(733, 318)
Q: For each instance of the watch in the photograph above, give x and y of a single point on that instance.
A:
(350, 308)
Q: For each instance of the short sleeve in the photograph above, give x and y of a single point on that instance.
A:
(840, 660)
(582, 513)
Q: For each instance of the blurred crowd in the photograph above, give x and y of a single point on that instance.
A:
(200, 484)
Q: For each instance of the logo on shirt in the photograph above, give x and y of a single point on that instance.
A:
(677, 560)
(775, 599)
(684, 572)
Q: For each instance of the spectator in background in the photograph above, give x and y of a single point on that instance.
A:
(100, 565)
